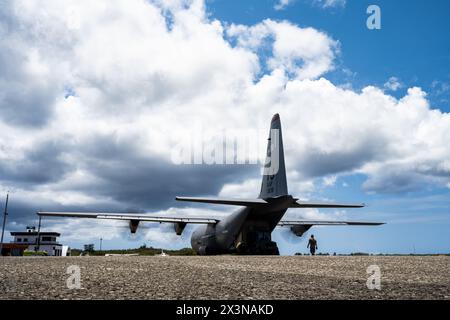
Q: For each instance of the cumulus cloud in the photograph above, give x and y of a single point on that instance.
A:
(301, 52)
(95, 98)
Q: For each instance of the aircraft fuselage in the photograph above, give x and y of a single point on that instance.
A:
(246, 231)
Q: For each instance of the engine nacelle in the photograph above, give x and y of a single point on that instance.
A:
(203, 240)
(300, 229)
(134, 224)
(207, 251)
(202, 250)
(179, 227)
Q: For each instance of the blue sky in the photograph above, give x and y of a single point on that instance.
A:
(411, 44)
(99, 136)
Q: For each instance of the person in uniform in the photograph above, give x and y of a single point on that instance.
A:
(312, 245)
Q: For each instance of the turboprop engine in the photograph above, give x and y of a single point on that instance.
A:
(134, 224)
(300, 229)
(179, 227)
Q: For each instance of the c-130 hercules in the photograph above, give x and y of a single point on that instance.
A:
(248, 230)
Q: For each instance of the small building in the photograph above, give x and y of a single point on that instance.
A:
(48, 242)
(12, 249)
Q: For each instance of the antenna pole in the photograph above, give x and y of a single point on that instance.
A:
(5, 213)
(39, 235)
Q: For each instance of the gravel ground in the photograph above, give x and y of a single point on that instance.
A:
(224, 277)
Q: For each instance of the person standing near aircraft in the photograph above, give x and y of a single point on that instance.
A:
(312, 245)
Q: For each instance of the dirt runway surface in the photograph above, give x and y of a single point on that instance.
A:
(224, 277)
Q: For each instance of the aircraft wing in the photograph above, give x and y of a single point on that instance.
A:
(129, 217)
(284, 223)
(299, 227)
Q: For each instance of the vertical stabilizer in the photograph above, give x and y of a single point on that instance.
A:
(274, 176)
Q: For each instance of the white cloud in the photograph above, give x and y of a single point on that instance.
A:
(282, 4)
(440, 91)
(325, 4)
(248, 189)
(393, 84)
(329, 181)
(315, 214)
(330, 3)
(440, 87)
(302, 52)
(90, 231)
(143, 75)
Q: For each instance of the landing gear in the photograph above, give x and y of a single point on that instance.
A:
(264, 249)
(256, 241)
(272, 249)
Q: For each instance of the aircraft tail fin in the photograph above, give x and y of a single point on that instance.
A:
(274, 176)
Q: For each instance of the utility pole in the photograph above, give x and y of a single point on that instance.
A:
(5, 213)
(101, 244)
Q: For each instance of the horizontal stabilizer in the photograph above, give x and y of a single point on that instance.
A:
(232, 202)
(327, 223)
(315, 204)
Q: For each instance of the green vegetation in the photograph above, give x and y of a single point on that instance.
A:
(142, 251)
(359, 254)
(34, 253)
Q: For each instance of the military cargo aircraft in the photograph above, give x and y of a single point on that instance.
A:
(247, 231)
